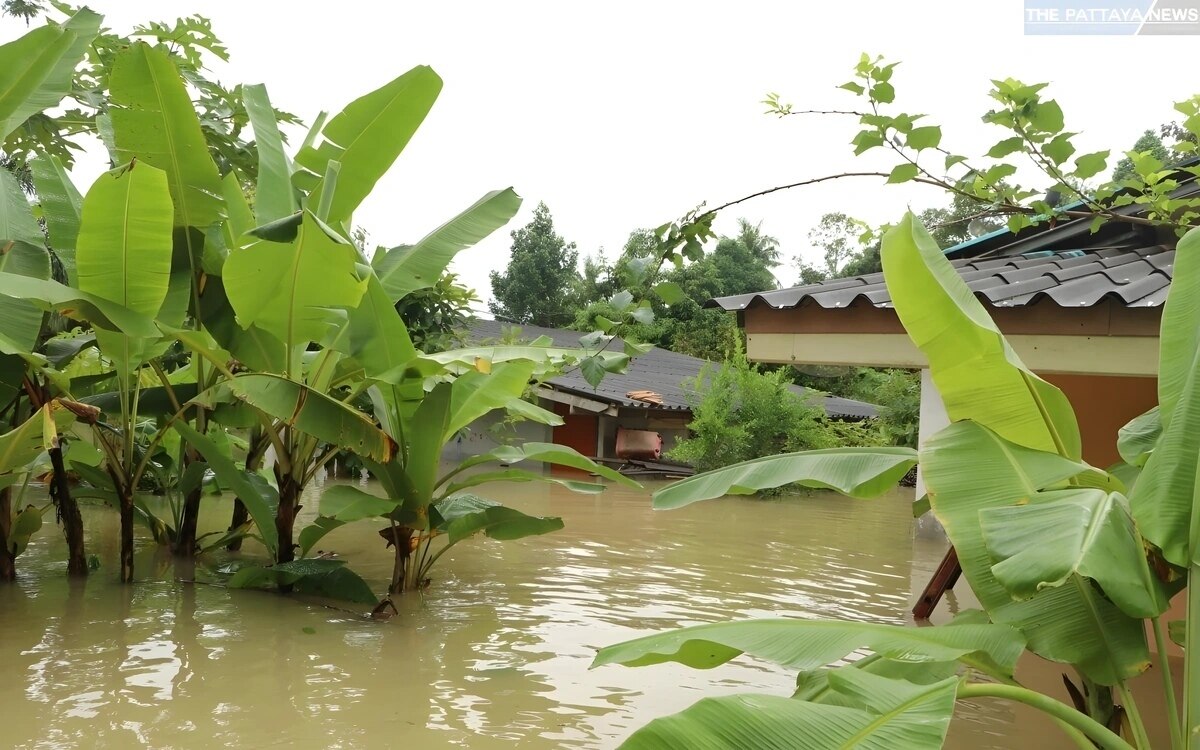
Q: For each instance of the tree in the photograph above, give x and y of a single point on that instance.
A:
(536, 287)
(763, 247)
(1150, 143)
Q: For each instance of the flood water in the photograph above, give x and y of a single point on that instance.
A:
(494, 655)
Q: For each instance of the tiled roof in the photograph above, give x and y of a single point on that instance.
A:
(1135, 276)
(664, 372)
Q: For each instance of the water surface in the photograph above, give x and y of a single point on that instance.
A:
(494, 655)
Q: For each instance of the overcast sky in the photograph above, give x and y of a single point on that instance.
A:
(623, 115)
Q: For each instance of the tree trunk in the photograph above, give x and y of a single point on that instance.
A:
(68, 513)
(8, 567)
(126, 535)
(285, 517)
(239, 518)
(185, 540)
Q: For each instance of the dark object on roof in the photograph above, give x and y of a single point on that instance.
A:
(658, 370)
(1058, 266)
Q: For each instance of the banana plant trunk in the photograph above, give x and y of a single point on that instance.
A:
(239, 518)
(69, 515)
(125, 497)
(285, 516)
(185, 540)
(8, 565)
(401, 539)
(241, 514)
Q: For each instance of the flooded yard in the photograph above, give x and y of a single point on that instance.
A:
(494, 655)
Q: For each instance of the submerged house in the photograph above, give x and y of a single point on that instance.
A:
(651, 395)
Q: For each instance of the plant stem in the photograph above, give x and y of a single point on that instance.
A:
(1103, 737)
(1164, 666)
(1135, 716)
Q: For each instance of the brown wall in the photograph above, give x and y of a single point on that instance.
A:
(1103, 404)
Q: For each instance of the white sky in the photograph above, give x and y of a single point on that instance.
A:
(623, 115)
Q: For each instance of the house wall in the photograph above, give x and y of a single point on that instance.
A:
(1103, 405)
(486, 433)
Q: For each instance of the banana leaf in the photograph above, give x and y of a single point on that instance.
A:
(36, 69)
(857, 472)
(61, 207)
(274, 196)
(977, 373)
(407, 268)
(22, 253)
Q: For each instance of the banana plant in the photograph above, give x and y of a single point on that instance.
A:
(427, 511)
(1077, 562)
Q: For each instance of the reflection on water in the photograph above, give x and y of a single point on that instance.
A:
(494, 655)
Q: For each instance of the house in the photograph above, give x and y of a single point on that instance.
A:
(652, 394)
(1081, 309)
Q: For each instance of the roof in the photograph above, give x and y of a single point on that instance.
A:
(1067, 263)
(664, 372)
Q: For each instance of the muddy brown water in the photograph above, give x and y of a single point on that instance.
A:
(494, 655)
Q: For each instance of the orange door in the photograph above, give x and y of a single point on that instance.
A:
(578, 431)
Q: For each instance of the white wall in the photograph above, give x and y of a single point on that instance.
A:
(933, 419)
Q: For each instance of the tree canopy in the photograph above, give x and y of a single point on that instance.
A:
(536, 287)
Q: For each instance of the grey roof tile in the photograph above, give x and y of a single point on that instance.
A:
(664, 372)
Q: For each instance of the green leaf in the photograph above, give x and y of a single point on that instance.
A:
(1059, 148)
(1006, 147)
(24, 526)
(379, 340)
(857, 472)
(1047, 116)
(309, 411)
(521, 475)
(903, 173)
(297, 292)
(883, 93)
(407, 268)
(36, 69)
(969, 469)
(475, 394)
(1165, 496)
(918, 721)
(261, 506)
(39, 433)
(1090, 165)
(922, 138)
(22, 253)
(643, 314)
(274, 196)
(340, 583)
(346, 504)
(621, 300)
(593, 370)
(318, 577)
(977, 373)
(62, 207)
(1136, 440)
(155, 123)
(315, 532)
(463, 516)
(1085, 532)
(670, 292)
(124, 252)
(547, 453)
(72, 303)
(367, 137)
(808, 644)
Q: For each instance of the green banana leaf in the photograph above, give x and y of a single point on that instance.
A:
(808, 644)
(1136, 440)
(260, 505)
(77, 305)
(367, 137)
(898, 715)
(318, 577)
(22, 253)
(407, 268)
(39, 433)
(155, 122)
(977, 373)
(379, 340)
(969, 469)
(36, 69)
(62, 207)
(547, 453)
(427, 426)
(153, 402)
(857, 472)
(309, 411)
(463, 516)
(1074, 532)
(475, 394)
(520, 475)
(274, 196)
(1166, 494)
(297, 292)
(24, 526)
(124, 252)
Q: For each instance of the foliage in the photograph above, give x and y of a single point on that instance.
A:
(740, 413)
(1048, 544)
(437, 316)
(533, 290)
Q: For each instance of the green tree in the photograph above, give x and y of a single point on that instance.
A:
(437, 316)
(1149, 143)
(535, 288)
(763, 247)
